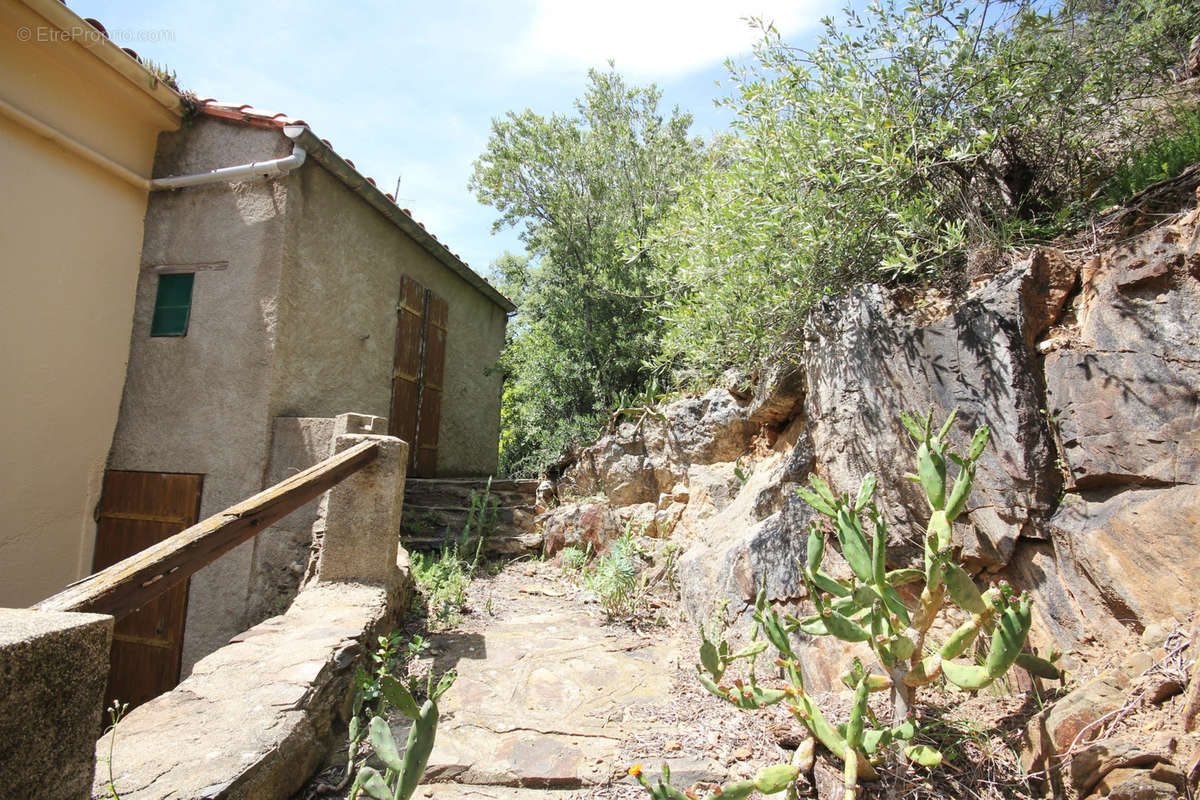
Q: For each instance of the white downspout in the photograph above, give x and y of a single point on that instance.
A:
(266, 169)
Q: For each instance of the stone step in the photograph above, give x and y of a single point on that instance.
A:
(437, 510)
(457, 492)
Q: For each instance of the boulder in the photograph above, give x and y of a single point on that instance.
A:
(710, 428)
(1137, 784)
(731, 561)
(865, 364)
(615, 466)
(639, 518)
(1071, 721)
(640, 461)
(1098, 759)
(1048, 278)
(579, 525)
(1132, 557)
(778, 393)
(712, 487)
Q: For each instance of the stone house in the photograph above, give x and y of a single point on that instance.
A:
(79, 122)
(265, 307)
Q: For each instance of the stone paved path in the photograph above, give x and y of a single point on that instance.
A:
(541, 702)
(554, 703)
(541, 699)
(549, 696)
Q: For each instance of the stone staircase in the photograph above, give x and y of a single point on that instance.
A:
(437, 509)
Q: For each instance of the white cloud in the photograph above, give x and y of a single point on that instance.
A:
(652, 38)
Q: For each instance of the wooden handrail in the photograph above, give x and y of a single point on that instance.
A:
(128, 585)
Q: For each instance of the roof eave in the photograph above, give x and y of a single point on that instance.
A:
(57, 14)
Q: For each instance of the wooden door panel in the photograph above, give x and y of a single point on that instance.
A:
(406, 368)
(137, 510)
(433, 374)
(418, 369)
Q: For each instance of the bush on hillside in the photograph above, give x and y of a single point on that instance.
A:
(905, 135)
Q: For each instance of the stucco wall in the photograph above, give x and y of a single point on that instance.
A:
(70, 237)
(341, 282)
(281, 552)
(293, 315)
(199, 403)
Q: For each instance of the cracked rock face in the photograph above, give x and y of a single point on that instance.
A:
(865, 365)
(1133, 557)
(1126, 397)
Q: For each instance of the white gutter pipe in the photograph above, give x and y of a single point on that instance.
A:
(266, 169)
(255, 169)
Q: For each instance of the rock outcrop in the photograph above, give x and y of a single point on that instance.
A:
(866, 364)
(1125, 394)
(1087, 371)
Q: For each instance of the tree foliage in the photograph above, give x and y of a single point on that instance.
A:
(910, 133)
(585, 191)
(904, 134)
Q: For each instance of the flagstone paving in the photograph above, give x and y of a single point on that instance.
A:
(554, 702)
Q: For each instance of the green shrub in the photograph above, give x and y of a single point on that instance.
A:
(613, 578)
(575, 558)
(442, 579)
(908, 132)
(1165, 157)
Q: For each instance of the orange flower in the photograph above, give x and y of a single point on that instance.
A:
(635, 770)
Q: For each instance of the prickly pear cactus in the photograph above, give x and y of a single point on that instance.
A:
(769, 780)
(868, 608)
(402, 772)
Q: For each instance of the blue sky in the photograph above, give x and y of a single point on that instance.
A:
(409, 89)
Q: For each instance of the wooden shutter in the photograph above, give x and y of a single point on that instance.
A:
(431, 387)
(137, 510)
(406, 395)
(418, 371)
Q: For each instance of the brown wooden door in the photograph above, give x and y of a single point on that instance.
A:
(138, 509)
(418, 370)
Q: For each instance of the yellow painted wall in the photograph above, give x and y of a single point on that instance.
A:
(70, 244)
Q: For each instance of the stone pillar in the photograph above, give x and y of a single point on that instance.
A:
(53, 670)
(361, 515)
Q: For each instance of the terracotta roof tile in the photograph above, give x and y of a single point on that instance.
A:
(247, 113)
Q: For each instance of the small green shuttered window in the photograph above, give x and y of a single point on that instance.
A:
(172, 304)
